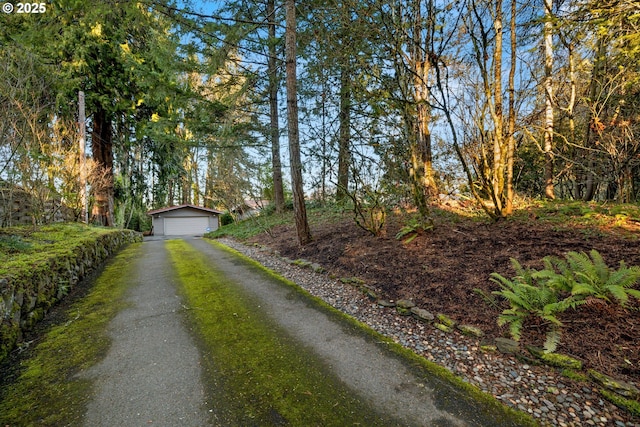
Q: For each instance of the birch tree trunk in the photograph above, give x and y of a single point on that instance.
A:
(511, 119)
(548, 100)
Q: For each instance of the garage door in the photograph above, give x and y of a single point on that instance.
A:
(186, 226)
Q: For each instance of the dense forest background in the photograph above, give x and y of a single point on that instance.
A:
(386, 103)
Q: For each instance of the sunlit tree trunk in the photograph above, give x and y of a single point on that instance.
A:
(548, 100)
(511, 120)
(498, 118)
(424, 184)
(300, 211)
(570, 109)
(493, 143)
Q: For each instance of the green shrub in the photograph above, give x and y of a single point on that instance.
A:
(591, 277)
(561, 285)
(528, 297)
(226, 219)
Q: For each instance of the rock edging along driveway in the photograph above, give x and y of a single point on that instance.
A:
(27, 295)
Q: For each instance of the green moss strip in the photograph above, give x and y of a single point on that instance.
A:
(46, 392)
(633, 406)
(500, 410)
(262, 376)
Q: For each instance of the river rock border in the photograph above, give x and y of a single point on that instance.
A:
(26, 296)
(544, 392)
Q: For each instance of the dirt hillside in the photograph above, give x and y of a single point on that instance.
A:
(442, 269)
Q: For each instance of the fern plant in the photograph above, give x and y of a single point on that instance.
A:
(539, 293)
(592, 277)
(412, 228)
(529, 295)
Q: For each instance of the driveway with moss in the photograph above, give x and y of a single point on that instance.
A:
(208, 337)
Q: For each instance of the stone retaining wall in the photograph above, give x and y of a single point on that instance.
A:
(26, 297)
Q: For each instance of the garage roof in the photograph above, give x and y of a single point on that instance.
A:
(172, 208)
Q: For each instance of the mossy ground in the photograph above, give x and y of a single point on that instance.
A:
(23, 247)
(262, 376)
(46, 392)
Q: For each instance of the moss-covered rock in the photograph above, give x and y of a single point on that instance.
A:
(352, 280)
(302, 263)
(471, 331)
(403, 311)
(507, 345)
(370, 293)
(555, 359)
(488, 348)
(386, 303)
(405, 303)
(422, 314)
(575, 375)
(443, 327)
(617, 386)
(630, 405)
(445, 320)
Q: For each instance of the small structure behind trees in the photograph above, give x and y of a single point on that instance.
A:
(19, 207)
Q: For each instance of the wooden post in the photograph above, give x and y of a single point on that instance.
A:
(83, 157)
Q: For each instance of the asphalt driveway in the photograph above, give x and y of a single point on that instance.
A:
(152, 373)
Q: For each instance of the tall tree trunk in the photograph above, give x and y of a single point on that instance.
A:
(596, 74)
(511, 119)
(498, 137)
(570, 112)
(102, 149)
(424, 183)
(276, 165)
(299, 209)
(186, 182)
(83, 157)
(209, 184)
(548, 100)
(344, 140)
(195, 184)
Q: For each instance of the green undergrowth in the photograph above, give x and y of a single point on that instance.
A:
(256, 372)
(592, 218)
(420, 365)
(46, 390)
(23, 247)
(316, 213)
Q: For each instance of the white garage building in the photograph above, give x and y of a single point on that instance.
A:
(184, 220)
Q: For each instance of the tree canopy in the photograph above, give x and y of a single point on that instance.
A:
(400, 102)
